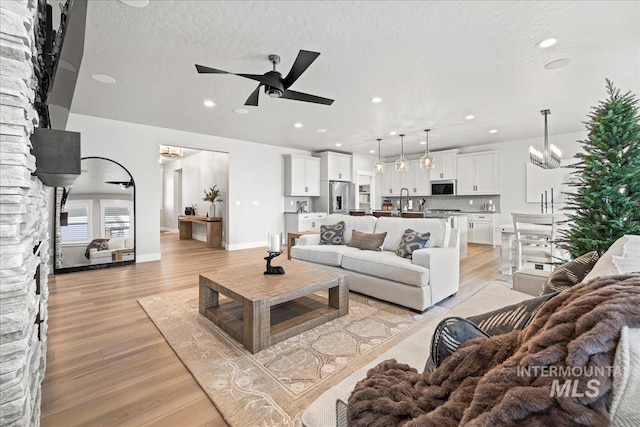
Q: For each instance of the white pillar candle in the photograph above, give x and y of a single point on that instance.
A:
(274, 242)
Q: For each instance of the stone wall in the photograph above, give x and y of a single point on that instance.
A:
(24, 216)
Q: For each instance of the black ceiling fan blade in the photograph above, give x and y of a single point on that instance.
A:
(302, 62)
(265, 79)
(124, 183)
(299, 96)
(208, 70)
(253, 98)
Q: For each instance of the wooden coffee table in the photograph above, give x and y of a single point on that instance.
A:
(267, 309)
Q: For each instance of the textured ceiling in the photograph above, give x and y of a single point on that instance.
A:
(95, 173)
(431, 62)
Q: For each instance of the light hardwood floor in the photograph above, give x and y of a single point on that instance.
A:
(107, 364)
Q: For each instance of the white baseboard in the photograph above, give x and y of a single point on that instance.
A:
(249, 245)
(199, 237)
(148, 257)
(169, 230)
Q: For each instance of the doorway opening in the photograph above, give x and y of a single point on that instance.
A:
(186, 175)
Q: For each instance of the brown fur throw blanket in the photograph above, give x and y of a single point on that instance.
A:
(515, 378)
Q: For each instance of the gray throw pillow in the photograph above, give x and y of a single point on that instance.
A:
(569, 274)
(412, 241)
(367, 241)
(332, 234)
(515, 316)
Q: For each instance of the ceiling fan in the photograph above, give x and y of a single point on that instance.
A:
(274, 85)
(123, 184)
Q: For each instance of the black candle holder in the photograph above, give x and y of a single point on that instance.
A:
(272, 269)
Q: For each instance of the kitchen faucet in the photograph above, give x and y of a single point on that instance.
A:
(403, 207)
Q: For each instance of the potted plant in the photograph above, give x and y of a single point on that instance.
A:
(212, 196)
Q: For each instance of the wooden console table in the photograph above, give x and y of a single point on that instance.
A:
(213, 224)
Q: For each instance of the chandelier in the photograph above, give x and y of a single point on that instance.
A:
(426, 161)
(550, 157)
(402, 164)
(170, 151)
(378, 166)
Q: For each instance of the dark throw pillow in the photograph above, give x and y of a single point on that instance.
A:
(515, 316)
(103, 246)
(332, 234)
(367, 241)
(412, 241)
(569, 274)
(450, 334)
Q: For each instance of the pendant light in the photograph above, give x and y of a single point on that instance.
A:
(378, 166)
(402, 164)
(550, 158)
(426, 161)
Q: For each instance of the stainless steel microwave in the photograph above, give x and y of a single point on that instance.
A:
(446, 187)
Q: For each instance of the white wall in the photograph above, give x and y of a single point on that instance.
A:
(256, 174)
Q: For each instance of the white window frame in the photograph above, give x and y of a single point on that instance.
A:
(88, 204)
(105, 203)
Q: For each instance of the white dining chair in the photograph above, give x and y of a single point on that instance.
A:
(535, 238)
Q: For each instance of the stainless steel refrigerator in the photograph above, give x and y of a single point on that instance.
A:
(342, 197)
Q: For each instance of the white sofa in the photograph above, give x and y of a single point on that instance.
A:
(106, 256)
(430, 276)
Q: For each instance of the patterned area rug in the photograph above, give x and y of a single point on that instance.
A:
(275, 386)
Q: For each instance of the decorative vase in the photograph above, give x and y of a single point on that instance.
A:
(212, 210)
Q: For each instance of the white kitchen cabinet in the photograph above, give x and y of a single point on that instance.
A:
(481, 228)
(386, 180)
(294, 222)
(302, 175)
(421, 183)
(444, 165)
(415, 180)
(478, 173)
(335, 166)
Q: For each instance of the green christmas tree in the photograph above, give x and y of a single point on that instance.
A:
(606, 201)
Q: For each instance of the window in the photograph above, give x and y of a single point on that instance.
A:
(116, 218)
(78, 228)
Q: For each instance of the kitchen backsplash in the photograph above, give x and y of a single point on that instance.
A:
(290, 204)
(480, 203)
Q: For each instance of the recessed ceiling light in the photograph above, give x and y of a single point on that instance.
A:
(209, 103)
(338, 144)
(493, 131)
(376, 99)
(136, 3)
(547, 43)
(298, 125)
(321, 130)
(103, 78)
(423, 142)
(241, 111)
(372, 151)
(558, 63)
(469, 117)
(393, 133)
